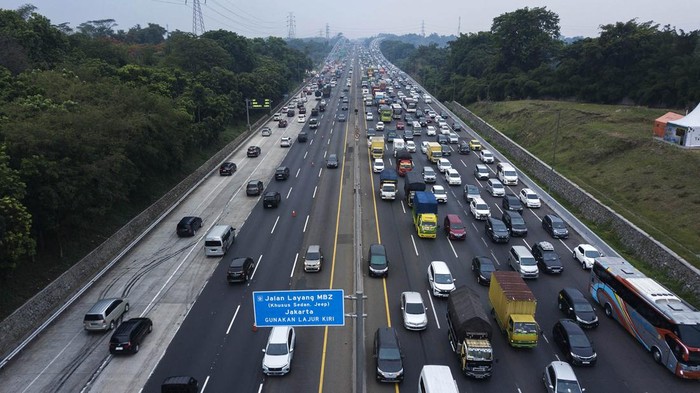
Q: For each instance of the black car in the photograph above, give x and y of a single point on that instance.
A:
(271, 199)
(443, 139)
(371, 132)
(282, 123)
(497, 230)
(575, 306)
(387, 352)
(254, 187)
(302, 109)
(129, 335)
(482, 267)
(314, 111)
(573, 343)
(515, 223)
(456, 127)
(377, 261)
(188, 226)
(344, 108)
(423, 122)
(332, 161)
(227, 169)
(463, 148)
(253, 151)
(547, 259)
(240, 269)
(510, 201)
(302, 137)
(446, 150)
(282, 173)
(555, 226)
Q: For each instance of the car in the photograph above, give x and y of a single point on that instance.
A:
(470, 192)
(410, 146)
(457, 127)
(369, 116)
(440, 193)
(341, 118)
(475, 145)
(302, 108)
(414, 311)
(282, 173)
(377, 261)
(424, 147)
(313, 258)
(529, 198)
(240, 269)
(454, 227)
(431, 131)
(266, 131)
(253, 151)
(388, 356)
(482, 267)
(314, 111)
(443, 139)
(286, 141)
(479, 209)
(227, 169)
(585, 254)
(271, 199)
(379, 126)
(443, 165)
(400, 125)
(486, 156)
(279, 351)
(291, 112)
(453, 178)
(285, 109)
(407, 135)
(282, 123)
(440, 279)
(344, 107)
(254, 187)
(555, 226)
(481, 172)
(511, 202)
(576, 307)
(378, 165)
(302, 137)
(277, 116)
(453, 138)
(432, 114)
(573, 343)
(547, 259)
(496, 230)
(463, 148)
(188, 226)
(446, 150)
(429, 175)
(390, 136)
(515, 223)
(495, 188)
(129, 335)
(371, 132)
(559, 377)
(332, 161)
(313, 123)
(105, 313)
(345, 100)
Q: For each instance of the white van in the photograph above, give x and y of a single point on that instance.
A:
(436, 379)
(399, 144)
(507, 174)
(218, 240)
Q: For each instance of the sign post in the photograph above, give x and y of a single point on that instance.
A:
(319, 307)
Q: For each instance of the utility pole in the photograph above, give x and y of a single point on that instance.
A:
(422, 28)
(459, 25)
(328, 32)
(247, 115)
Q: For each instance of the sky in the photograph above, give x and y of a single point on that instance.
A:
(361, 18)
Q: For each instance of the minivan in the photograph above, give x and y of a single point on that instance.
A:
(104, 314)
(129, 335)
(313, 258)
(218, 240)
(436, 379)
(454, 227)
(377, 261)
(515, 223)
(387, 352)
(279, 351)
(188, 226)
(522, 261)
(507, 174)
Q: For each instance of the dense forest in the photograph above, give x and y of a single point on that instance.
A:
(91, 118)
(524, 56)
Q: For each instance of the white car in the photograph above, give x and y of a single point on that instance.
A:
(301, 118)
(277, 117)
(427, 99)
(378, 165)
(445, 130)
(424, 147)
(380, 126)
(429, 175)
(370, 116)
(495, 188)
(411, 146)
(486, 157)
(443, 165)
(585, 254)
(414, 311)
(431, 131)
(453, 137)
(440, 194)
(440, 279)
(453, 178)
(479, 209)
(279, 351)
(286, 141)
(529, 198)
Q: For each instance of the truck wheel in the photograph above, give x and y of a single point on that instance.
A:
(656, 354)
(608, 310)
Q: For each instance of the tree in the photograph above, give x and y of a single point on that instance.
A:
(16, 242)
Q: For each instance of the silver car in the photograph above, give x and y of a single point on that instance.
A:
(414, 311)
(105, 314)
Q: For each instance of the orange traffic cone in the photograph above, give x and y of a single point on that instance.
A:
(255, 328)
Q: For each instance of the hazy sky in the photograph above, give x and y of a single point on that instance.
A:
(361, 18)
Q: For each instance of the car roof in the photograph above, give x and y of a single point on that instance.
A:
(438, 187)
(314, 248)
(563, 371)
(574, 293)
(482, 166)
(412, 297)
(238, 261)
(484, 260)
(554, 218)
(279, 334)
(587, 247)
(527, 191)
(440, 267)
(546, 246)
(571, 327)
(478, 200)
(376, 248)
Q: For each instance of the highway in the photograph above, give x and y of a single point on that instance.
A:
(203, 326)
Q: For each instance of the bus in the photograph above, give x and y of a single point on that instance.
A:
(385, 113)
(409, 105)
(396, 111)
(664, 324)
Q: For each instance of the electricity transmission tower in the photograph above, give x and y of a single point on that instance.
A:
(197, 18)
(291, 26)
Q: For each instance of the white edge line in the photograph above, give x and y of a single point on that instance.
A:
(235, 314)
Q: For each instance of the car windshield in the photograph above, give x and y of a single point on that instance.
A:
(472, 190)
(389, 354)
(415, 308)
(313, 255)
(457, 225)
(579, 341)
(483, 170)
(558, 224)
(517, 220)
(566, 386)
(528, 261)
(583, 307)
(549, 256)
(443, 278)
(276, 349)
(531, 196)
(487, 268)
(497, 185)
(592, 253)
(377, 260)
(481, 206)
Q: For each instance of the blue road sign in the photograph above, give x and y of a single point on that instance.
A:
(319, 307)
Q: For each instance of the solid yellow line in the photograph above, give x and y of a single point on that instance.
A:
(335, 245)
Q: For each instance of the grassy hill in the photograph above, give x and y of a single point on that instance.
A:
(609, 151)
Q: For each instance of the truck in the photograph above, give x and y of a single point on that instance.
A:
(469, 332)
(404, 162)
(412, 183)
(434, 152)
(387, 183)
(425, 207)
(513, 306)
(377, 146)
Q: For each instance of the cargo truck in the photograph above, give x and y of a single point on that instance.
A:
(387, 183)
(404, 162)
(469, 332)
(412, 183)
(425, 208)
(434, 152)
(513, 306)
(377, 146)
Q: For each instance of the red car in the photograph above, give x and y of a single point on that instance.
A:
(400, 125)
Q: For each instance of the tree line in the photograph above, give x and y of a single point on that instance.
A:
(524, 56)
(91, 118)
